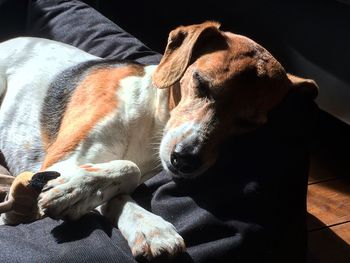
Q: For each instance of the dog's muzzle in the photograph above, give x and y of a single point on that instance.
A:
(185, 152)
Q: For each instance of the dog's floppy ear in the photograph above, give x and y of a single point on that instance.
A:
(178, 53)
(305, 86)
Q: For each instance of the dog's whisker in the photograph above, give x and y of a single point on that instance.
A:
(154, 144)
(155, 154)
(157, 166)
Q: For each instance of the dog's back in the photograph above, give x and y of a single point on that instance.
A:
(24, 67)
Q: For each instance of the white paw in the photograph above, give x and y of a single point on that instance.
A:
(73, 195)
(152, 236)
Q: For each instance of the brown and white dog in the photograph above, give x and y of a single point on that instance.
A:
(104, 124)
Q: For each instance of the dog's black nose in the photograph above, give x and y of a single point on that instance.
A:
(184, 160)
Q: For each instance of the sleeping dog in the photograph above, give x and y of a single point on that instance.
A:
(106, 125)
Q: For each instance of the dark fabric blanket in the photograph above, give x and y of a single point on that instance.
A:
(249, 207)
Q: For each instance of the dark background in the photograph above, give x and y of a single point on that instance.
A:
(317, 29)
(320, 30)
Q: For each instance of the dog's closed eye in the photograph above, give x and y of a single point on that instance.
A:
(202, 86)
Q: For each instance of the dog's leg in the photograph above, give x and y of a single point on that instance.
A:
(80, 189)
(148, 235)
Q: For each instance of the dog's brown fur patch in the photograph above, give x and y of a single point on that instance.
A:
(93, 99)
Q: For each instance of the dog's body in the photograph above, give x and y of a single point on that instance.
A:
(99, 123)
(41, 115)
(34, 107)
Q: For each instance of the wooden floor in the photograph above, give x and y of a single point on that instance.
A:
(329, 193)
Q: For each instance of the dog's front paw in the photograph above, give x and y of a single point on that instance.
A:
(76, 193)
(150, 236)
(65, 198)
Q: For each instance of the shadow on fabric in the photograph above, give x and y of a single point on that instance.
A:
(70, 231)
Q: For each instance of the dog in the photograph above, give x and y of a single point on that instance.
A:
(105, 124)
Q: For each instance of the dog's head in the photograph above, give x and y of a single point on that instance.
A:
(221, 84)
